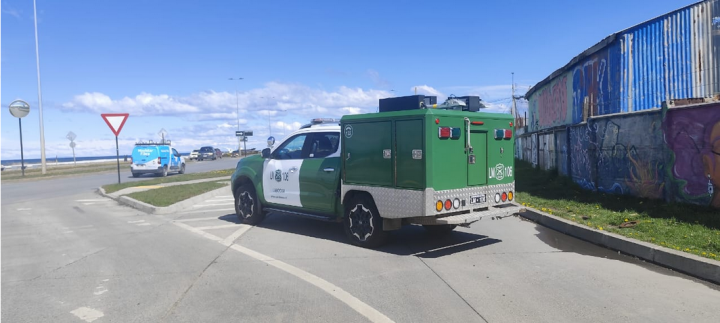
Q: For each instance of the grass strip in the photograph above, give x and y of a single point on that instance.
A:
(170, 195)
(690, 228)
(110, 188)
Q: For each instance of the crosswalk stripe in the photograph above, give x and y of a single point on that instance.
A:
(224, 226)
(208, 210)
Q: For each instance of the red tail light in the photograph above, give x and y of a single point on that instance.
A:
(508, 134)
(159, 162)
(448, 204)
(444, 132)
(504, 197)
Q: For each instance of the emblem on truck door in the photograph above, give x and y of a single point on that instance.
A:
(348, 131)
(278, 175)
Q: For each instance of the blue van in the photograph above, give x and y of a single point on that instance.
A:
(156, 158)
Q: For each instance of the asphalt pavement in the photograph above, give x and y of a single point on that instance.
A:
(78, 257)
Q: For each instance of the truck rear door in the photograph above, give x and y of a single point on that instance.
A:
(477, 158)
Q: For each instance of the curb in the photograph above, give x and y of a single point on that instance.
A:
(686, 263)
(151, 209)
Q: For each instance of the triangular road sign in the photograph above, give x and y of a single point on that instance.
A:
(115, 121)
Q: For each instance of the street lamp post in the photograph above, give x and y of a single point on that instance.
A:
(237, 105)
(42, 127)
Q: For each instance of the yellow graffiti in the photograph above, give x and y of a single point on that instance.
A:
(644, 179)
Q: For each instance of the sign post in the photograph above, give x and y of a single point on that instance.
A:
(71, 136)
(242, 135)
(116, 121)
(20, 109)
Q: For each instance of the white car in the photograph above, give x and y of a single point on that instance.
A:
(194, 154)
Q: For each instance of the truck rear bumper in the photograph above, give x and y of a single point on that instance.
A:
(147, 171)
(467, 218)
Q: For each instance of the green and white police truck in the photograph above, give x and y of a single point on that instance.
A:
(414, 164)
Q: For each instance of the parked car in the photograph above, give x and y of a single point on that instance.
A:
(235, 153)
(194, 154)
(156, 158)
(207, 152)
(218, 153)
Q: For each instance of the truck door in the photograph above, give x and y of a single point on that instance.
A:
(477, 165)
(175, 158)
(320, 173)
(281, 172)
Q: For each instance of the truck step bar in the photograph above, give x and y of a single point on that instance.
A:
(466, 219)
(302, 214)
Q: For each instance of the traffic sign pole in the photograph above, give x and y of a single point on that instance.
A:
(22, 158)
(117, 153)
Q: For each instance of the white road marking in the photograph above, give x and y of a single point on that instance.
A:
(220, 200)
(69, 231)
(84, 227)
(214, 204)
(143, 224)
(90, 203)
(138, 221)
(106, 279)
(100, 290)
(24, 209)
(210, 210)
(223, 196)
(94, 200)
(359, 306)
(197, 219)
(87, 314)
(224, 226)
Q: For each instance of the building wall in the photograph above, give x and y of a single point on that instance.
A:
(671, 154)
(671, 57)
(692, 138)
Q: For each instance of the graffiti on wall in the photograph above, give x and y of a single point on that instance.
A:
(693, 138)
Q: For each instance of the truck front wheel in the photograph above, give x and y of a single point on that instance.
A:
(247, 205)
(363, 224)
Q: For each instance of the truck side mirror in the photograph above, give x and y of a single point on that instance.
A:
(266, 153)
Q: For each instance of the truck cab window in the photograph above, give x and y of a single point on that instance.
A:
(291, 149)
(323, 144)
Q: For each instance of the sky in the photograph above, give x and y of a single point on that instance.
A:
(168, 63)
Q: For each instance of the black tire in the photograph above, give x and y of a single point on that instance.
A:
(164, 171)
(363, 224)
(442, 229)
(247, 205)
(136, 175)
(182, 169)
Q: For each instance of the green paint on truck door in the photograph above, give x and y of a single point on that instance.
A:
(477, 172)
(367, 153)
(410, 155)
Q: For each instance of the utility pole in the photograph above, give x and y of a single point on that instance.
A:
(42, 127)
(514, 107)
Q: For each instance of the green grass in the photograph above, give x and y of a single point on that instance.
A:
(172, 194)
(110, 188)
(689, 228)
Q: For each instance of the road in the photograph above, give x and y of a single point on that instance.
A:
(78, 257)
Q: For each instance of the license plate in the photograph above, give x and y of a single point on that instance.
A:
(479, 199)
(139, 165)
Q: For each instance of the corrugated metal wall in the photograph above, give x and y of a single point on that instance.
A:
(675, 56)
(671, 57)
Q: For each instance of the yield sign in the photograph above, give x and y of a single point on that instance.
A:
(115, 121)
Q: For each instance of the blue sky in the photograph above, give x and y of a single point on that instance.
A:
(167, 63)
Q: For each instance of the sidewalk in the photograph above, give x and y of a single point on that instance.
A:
(126, 191)
(696, 266)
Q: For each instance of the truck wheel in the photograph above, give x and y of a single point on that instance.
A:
(164, 171)
(136, 174)
(182, 169)
(363, 224)
(247, 205)
(441, 229)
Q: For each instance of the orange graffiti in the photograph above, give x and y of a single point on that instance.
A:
(644, 179)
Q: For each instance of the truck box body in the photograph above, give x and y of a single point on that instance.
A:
(408, 165)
